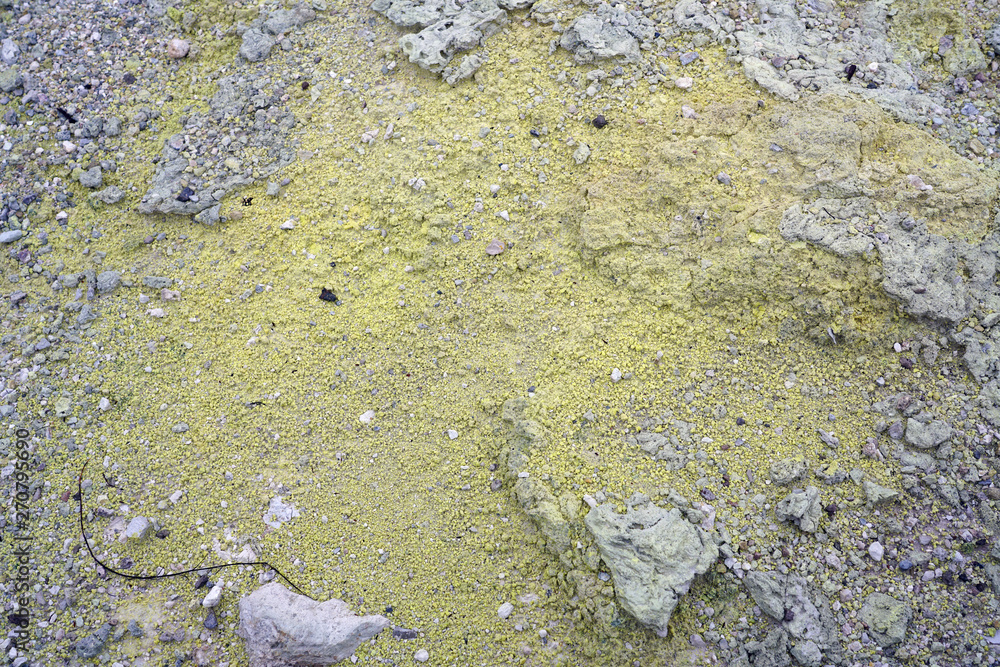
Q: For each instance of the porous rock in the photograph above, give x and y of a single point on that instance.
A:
(654, 555)
(788, 600)
(283, 629)
(610, 32)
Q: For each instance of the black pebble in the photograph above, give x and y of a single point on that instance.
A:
(305, 85)
(201, 581)
(327, 295)
(740, 421)
(163, 534)
(600, 121)
(536, 133)
(129, 79)
(210, 621)
(906, 363)
(850, 70)
(185, 194)
(872, 86)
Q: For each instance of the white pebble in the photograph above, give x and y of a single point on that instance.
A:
(684, 82)
(452, 433)
(214, 597)
(367, 417)
(288, 224)
(505, 610)
(422, 656)
(876, 551)
(616, 375)
(68, 146)
(156, 312)
(104, 404)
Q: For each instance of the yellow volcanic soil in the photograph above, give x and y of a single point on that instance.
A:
(434, 335)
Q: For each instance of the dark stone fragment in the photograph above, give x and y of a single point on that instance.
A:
(163, 534)
(600, 121)
(185, 195)
(404, 633)
(707, 494)
(850, 71)
(327, 295)
(201, 581)
(740, 421)
(905, 564)
(906, 363)
(210, 621)
(872, 86)
(789, 615)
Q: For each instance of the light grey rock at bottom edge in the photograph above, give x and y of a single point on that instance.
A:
(801, 508)
(91, 645)
(807, 653)
(10, 235)
(654, 555)
(283, 629)
(926, 436)
(109, 195)
(108, 281)
(256, 45)
(887, 618)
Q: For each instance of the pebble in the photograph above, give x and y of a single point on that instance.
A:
(422, 656)
(616, 375)
(178, 48)
(367, 416)
(505, 610)
(495, 247)
(876, 551)
(452, 434)
(214, 596)
(684, 82)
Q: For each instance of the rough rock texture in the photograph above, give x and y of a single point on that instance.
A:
(654, 555)
(887, 618)
(788, 600)
(877, 494)
(263, 34)
(927, 436)
(446, 28)
(610, 32)
(787, 471)
(283, 629)
(801, 508)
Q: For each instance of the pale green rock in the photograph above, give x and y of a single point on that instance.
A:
(964, 58)
(654, 555)
(887, 618)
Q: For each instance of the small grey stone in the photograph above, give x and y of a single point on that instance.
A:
(138, 528)
(283, 20)
(179, 427)
(10, 235)
(86, 315)
(157, 282)
(878, 495)
(109, 195)
(10, 79)
(91, 645)
(272, 189)
(208, 216)
(108, 281)
(135, 629)
(92, 178)
(926, 436)
(723, 177)
(256, 45)
(801, 508)
(886, 617)
(787, 471)
(807, 653)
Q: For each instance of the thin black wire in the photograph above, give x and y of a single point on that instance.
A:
(79, 487)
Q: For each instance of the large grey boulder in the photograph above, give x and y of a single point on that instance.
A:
(654, 555)
(887, 618)
(801, 508)
(283, 629)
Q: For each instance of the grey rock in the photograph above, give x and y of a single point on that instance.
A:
(10, 79)
(445, 29)
(807, 653)
(654, 555)
(108, 281)
(993, 575)
(10, 235)
(771, 652)
(208, 216)
(157, 282)
(92, 178)
(886, 617)
(611, 32)
(801, 508)
(283, 629)
(109, 195)
(787, 471)
(138, 528)
(92, 645)
(993, 38)
(272, 189)
(283, 20)
(470, 65)
(541, 505)
(878, 495)
(9, 51)
(86, 315)
(135, 629)
(256, 45)
(112, 126)
(964, 58)
(788, 599)
(926, 436)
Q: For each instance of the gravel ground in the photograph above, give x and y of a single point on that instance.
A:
(171, 212)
